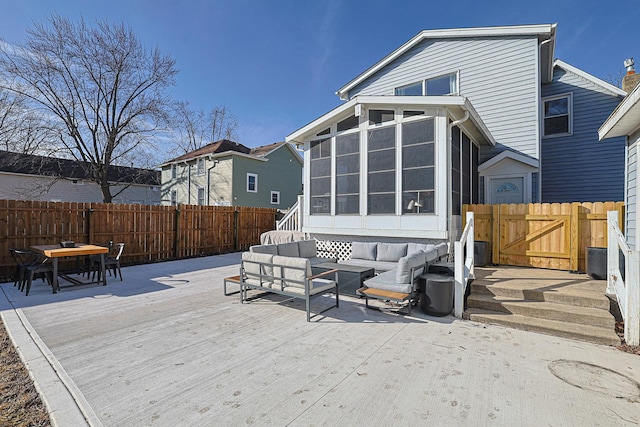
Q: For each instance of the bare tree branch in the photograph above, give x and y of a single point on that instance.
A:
(107, 92)
(194, 129)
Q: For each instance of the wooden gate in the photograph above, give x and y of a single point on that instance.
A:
(543, 235)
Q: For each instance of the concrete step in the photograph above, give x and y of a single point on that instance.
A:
(543, 310)
(606, 336)
(582, 295)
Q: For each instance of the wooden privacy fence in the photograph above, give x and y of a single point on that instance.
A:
(150, 233)
(543, 235)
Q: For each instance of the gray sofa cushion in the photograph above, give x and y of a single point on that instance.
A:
(254, 271)
(264, 249)
(442, 248)
(293, 271)
(288, 249)
(307, 248)
(415, 247)
(391, 251)
(416, 260)
(363, 250)
(387, 282)
(318, 260)
(379, 266)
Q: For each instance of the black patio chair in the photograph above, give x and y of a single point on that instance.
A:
(23, 258)
(111, 262)
(41, 266)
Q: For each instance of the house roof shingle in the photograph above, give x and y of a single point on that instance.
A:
(213, 148)
(29, 164)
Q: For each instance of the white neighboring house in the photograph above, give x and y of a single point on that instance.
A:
(30, 177)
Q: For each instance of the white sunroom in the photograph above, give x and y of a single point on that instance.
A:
(393, 167)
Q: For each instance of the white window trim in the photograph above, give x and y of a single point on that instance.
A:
(568, 95)
(200, 171)
(271, 197)
(204, 196)
(256, 182)
(171, 198)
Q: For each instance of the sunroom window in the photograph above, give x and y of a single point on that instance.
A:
(320, 176)
(348, 173)
(382, 170)
(418, 166)
(380, 116)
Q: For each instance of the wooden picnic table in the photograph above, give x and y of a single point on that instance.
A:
(55, 252)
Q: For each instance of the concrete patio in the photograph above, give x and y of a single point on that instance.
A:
(166, 348)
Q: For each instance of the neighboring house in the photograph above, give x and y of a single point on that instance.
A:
(474, 115)
(30, 177)
(226, 173)
(625, 122)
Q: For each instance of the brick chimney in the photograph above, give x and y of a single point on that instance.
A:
(631, 79)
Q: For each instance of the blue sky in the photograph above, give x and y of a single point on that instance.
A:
(278, 63)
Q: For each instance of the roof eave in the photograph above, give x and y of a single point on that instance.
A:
(625, 119)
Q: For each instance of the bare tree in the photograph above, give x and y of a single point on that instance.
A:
(99, 83)
(194, 129)
(21, 129)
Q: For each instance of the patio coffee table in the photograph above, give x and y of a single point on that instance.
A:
(348, 277)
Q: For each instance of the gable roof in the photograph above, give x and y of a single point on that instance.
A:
(457, 106)
(593, 79)
(213, 148)
(29, 164)
(508, 155)
(265, 150)
(625, 119)
(545, 33)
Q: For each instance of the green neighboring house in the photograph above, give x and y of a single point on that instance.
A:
(226, 173)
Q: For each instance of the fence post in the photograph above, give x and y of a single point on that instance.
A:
(90, 226)
(495, 243)
(235, 229)
(574, 247)
(176, 236)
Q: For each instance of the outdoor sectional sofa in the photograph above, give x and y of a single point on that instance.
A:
(285, 275)
(299, 249)
(398, 265)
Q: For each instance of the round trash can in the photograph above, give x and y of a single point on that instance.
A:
(481, 253)
(436, 298)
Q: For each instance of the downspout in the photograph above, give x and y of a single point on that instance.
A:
(450, 182)
(215, 162)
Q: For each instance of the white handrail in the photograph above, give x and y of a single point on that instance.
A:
(627, 290)
(463, 264)
(291, 221)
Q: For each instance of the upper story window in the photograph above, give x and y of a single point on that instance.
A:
(174, 197)
(174, 171)
(414, 89)
(441, 85)
(557, 115)
(200, 167)
(252, 183)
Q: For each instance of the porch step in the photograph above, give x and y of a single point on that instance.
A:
(581, 294)
(544, 310)
(598, 335)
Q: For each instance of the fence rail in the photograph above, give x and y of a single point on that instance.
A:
(544, 235)
(150, 233)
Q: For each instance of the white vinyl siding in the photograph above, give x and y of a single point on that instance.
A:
(631, 203)
(498, 75)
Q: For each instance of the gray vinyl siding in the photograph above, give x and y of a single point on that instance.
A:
(498, 75)
(282, 172)
(631, 202)
(578, 167)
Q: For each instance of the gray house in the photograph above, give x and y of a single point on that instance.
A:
(31, 177)
(226, 173)
(455, 116)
